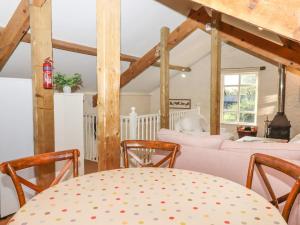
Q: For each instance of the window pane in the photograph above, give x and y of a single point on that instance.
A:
(229, 117)
(249, 78)
(231, 79)
(231, 98)
(247, 98)
(247, 117)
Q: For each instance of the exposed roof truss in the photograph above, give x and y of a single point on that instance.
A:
(278, 16)
(16, 28)
(288, 53)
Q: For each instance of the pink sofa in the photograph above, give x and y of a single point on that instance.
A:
(229, 159)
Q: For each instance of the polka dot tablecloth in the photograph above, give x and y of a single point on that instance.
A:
(148, 196)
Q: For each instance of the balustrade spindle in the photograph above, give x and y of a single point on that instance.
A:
(150, 128)
(131, 127)
(143, 128)
(126, 129)
(121, 129)
(146, 128)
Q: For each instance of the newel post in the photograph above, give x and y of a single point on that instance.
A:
(133, 124)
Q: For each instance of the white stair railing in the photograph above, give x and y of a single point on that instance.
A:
(133, 126)
(90, 137)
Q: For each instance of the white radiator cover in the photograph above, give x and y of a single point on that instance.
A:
(68, 120)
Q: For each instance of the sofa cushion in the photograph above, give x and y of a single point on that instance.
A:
(283, 150)
(295, 139)
(192, 122)
(211, 141)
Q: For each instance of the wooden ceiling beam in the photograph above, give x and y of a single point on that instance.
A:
(290, 44)
(133, 59)
(175, 37)
(38, 3)
(260, 46)
(288, 68)
(281, 17)
(86, 50)
(78, 48)
(17, 26)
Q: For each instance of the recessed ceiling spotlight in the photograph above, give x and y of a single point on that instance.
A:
(260, 28)
(183, 75)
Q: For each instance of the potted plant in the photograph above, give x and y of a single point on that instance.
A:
(67, 83)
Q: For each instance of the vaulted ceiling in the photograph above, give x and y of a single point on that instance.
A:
(141, 20)
(75, 21)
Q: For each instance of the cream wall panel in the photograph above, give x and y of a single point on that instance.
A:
(140, 101)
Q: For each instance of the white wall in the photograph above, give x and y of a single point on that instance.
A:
(140, 101)
(196, 86)
(292, 104)
(16, 136)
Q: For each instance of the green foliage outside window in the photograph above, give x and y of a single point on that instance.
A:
(240, 98)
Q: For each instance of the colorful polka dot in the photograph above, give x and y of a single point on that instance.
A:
(148, 196)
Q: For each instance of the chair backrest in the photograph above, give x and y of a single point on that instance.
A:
(11, 167)
(283, 166)
(171, 148)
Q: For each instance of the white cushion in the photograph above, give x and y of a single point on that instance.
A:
(192, 122)
(260, 139)
(295, 139)
(201, 141)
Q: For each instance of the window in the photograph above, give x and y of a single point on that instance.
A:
(239, 97)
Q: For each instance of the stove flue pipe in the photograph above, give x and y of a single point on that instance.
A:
(282, 85)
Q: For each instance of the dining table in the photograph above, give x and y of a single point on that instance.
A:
(153, 196)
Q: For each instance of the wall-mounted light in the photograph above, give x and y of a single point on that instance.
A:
(187, 69)
(184, 71)
(260, 28)
(208, 27)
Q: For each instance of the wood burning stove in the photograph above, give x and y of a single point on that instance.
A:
(280, 126)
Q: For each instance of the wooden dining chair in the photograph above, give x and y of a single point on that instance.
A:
(283, 166)
(11, 167)
(129, 146)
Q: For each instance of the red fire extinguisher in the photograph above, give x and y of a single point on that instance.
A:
(47, 73)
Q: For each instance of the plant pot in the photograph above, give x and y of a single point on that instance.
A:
(67, 89)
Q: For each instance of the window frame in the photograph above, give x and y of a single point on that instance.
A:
(239, 72)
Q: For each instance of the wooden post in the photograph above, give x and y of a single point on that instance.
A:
(215, 85)
(41, 48)
(164, 77)
(108, 81)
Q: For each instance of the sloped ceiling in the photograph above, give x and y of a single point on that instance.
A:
(75, 21)
(141, 21)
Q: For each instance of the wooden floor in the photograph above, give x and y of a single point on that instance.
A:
(89, 167)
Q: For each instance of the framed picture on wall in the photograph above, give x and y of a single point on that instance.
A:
(180, 103)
